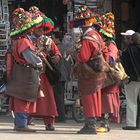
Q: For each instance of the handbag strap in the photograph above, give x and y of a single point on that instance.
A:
(48, 63)
(100, 52)
(94, 38)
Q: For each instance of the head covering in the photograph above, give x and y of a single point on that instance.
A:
(128, 33)
(46, 23)
(107, 25)
(83, 17)
(35, 11)
(98, 23)
(22, 21)
(98, 20)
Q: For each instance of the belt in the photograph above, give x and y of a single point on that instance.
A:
(26, 65)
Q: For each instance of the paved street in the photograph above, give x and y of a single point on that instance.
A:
(64, 131)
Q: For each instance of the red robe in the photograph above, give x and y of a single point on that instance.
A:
(46, 104)
(18, 105)
(110, 95)
(91, 102)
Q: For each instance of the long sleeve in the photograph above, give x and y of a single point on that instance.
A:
(31, 58)
(55, 49)
(113, 51)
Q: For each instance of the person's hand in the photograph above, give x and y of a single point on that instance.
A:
(42, 69)
(120, 52)
(42, 56)
(47, 41)
(126, 80)
(55, 59)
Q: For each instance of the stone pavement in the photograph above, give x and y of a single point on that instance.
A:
(64, 131)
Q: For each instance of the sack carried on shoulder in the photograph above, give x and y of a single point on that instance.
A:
(92, 68)
(96, 63)
(95, 66)
(118, 72)
(84, 71)
(52, 73)
(23, 83)
(109, 80)
(115, 76)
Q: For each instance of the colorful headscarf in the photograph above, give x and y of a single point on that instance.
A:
(107, 26)
(46, 23)
(98, 20)
(83, 17)
(22, 21)
(35, 11)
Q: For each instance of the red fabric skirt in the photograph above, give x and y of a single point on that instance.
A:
(111, 102)
(45, 105)
(21, 106)
(92, 104)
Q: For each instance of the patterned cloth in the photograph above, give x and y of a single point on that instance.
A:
(83, 17)
(22, 21)
(46, 23)
(107, 26)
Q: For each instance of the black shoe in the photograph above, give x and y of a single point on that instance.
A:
(50, 127)
(23, 129)
(87, 130)
(129, 128)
